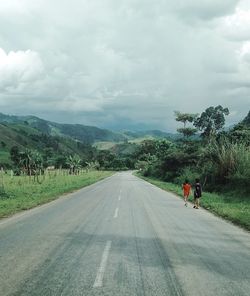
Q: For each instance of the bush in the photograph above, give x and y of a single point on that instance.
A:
(231, 160)
(188, 173)
(3, 193)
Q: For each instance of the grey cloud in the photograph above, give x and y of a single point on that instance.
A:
(206, 9)
(105, 62)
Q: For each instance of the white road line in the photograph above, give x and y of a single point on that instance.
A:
(116, 213)
(119, 198)
(101, 270)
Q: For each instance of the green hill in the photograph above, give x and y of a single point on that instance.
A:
(246, 120)
(83, 133)
(24, 137)
(55, 139)
(241, 131)
(150, 134)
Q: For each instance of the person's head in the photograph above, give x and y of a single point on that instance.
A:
(186, 181)
(197, 180)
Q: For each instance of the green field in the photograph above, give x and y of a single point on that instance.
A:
(102, 145)
(22, 192)
(232, 207)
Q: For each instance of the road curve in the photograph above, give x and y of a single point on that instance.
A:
(122, 236)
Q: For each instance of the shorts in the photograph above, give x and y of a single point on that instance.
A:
(196, 195)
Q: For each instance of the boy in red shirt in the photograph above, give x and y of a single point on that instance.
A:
(186, 191)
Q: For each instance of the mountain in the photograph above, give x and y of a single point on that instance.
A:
(54, 140)
(23, 136)
(241, 131)
(156, 134)
(246, 120)
(82, 133)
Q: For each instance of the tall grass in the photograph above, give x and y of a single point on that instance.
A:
(23, 192)
(231, 160)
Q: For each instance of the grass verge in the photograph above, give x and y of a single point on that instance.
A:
(231, 207)
(22, 193)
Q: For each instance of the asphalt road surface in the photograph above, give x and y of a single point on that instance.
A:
(122, 236)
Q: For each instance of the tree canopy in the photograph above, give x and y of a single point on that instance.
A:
(211, 121)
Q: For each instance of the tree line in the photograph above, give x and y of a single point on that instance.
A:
(204, 150)
(221, 159)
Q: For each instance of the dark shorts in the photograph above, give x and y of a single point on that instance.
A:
(196, 195)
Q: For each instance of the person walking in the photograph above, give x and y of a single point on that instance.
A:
(186, 191)
(197, 194)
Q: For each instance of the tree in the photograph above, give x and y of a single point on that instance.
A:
(3, 144)
(211, 121)
(105, 158)
(26, 161)
(31, 162)
(185, 118)
(15, 155)
(187, 131)
(241, 131)
(74, 163)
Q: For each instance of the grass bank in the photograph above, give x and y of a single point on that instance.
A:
(232, 207)
(22, 193)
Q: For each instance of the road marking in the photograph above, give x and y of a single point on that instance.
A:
(100, 273)
(116, 213)
(119, 198)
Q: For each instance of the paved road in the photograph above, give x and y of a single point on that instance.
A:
(122, 236)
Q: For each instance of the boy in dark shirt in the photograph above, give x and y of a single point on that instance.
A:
(197, 194)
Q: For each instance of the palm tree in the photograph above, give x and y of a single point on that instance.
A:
(31, 162)
(26, 161)
(74, 163)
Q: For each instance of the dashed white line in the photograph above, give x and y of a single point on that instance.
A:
(100, 273)
(116, 213)
(119, 198)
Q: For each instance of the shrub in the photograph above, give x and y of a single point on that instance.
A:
(189, 173)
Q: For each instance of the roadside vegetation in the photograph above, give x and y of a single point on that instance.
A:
(231, 206)
(219, 158)
(24, 192)
(202, 149)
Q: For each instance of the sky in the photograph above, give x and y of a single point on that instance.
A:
(126, 64)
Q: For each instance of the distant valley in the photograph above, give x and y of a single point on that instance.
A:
(38, 134)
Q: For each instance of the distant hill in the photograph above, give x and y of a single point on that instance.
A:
(83, 133)
(241, 131)
(246, 120)
(24, 137)
(55, 140)
(156, 134)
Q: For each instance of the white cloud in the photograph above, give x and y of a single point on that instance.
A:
(244, 52)
(237, 26)
(19, 69)
(130, 59)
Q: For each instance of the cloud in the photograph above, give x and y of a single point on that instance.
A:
(115, 63)
(204, 10)
(244, 52)
(19, 69)
(237, 26)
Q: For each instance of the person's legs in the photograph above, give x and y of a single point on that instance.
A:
(185, 200)
(198, 203)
